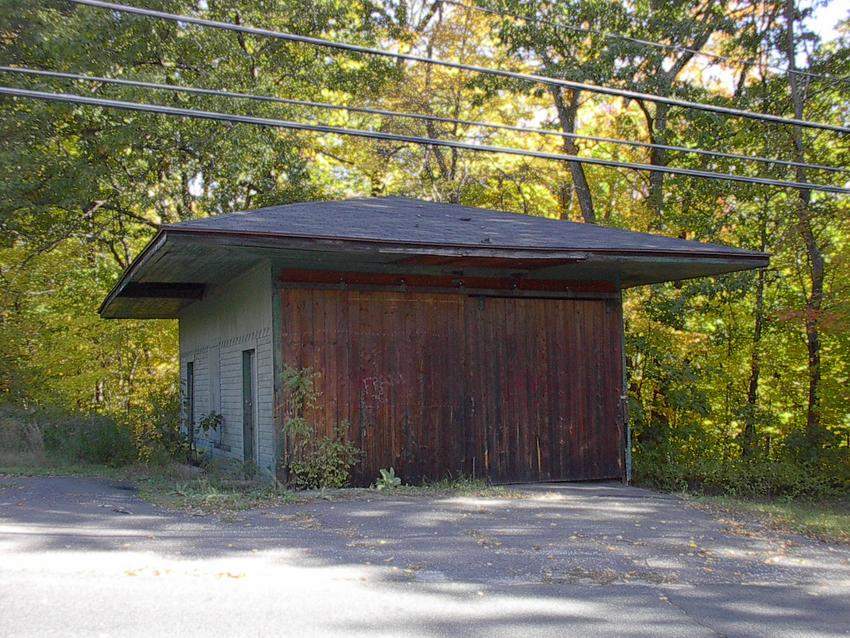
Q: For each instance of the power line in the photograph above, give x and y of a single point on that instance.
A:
(407, 139)
(646, 43)
(414, 116)
(515, 75)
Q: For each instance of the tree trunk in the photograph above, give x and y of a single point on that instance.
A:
(658, 157)
(748, 442)
(567, 111)
(656, 126)
(814, 300)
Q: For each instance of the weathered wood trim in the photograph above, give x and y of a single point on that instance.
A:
(365, 246)
(472, 292)
(647, 265)
(279, 441)
(446, 284)
(318, 242)
(624, 401)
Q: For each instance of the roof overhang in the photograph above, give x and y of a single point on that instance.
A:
(180, 264)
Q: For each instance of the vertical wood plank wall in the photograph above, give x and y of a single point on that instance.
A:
(433, 384)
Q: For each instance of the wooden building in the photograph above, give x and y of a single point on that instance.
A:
(452, 340)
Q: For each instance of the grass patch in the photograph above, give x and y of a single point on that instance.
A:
(462, 486)
(219, 490)
(211, 494)
(172, 486)
(18, 467)
(827, 520)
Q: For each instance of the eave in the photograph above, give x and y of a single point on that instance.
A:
(179, 264)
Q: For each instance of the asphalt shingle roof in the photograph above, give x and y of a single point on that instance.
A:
(412, 221)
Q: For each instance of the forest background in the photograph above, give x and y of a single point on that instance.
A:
(736, 383)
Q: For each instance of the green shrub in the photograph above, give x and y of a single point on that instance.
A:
(313, 461)
(89, 439)
(669, 467)
(157, 431)
(326, 461)
(21, 441)
(30, 437)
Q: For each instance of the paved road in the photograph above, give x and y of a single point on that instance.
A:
(88, 558)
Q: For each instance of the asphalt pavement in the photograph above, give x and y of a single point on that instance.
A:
(87, 557)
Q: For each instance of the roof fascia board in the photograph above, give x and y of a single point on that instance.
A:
(151, 249)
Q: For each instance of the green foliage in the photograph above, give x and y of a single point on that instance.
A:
(157, 429)
(211, 492)
(83, 189)
(53, 435)
(249, 470)
(56, 351)
(209, 422)
(299, 388)
(313, 460)
(21, 441)
(324, 461)
(674, 467)
(387, 480)
(89, 439)
(41, 435)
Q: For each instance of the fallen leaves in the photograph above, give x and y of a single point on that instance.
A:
(485, 540)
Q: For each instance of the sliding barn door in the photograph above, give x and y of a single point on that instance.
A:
(545, 381)
(435, 385)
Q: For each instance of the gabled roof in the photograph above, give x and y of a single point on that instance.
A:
(402, 236)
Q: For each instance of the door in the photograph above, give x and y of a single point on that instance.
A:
(435, 385)
(190, 403)
(248, 406)
(546, 378)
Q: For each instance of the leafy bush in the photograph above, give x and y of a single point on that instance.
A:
(35, 436)
(210, 423)
(21, 442)
(669, 467)
(89, 439)
(313, 461)
(325, 461)
(157, 431)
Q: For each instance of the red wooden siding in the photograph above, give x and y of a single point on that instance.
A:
(436, 384)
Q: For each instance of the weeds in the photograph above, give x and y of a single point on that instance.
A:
(313, 461)
(387, 480)
(460, 486)
(32, 438)
(785, 476)
(828, 521)
(211, 494)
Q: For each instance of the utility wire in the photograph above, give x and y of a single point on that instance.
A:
(407, 139)
(515, 75)
(415, 116)
(646, 43)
